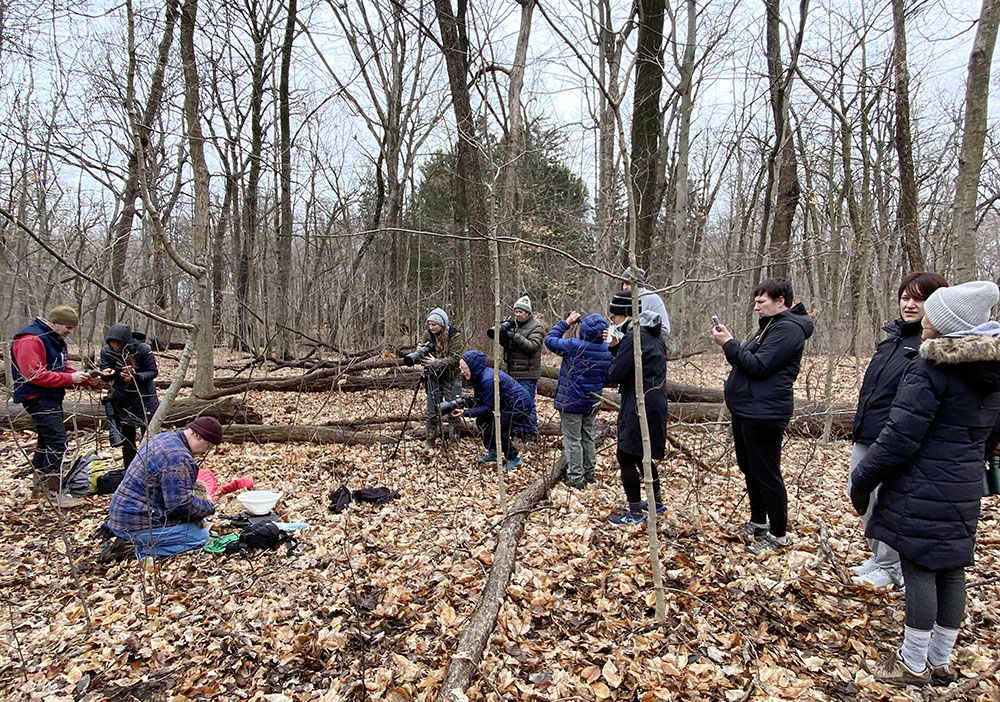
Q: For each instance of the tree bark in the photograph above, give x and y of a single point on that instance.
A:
(454, 45)
(906, 214)
(646, 170)
(200, 242)
(970, 158)
(284, 244)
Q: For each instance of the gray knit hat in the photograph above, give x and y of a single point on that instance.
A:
(65, 315)
(523, 303)
(640, 275)
(961, 307)
(439, 316)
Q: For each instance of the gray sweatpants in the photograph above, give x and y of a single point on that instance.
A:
(885, 556)
(578, 445)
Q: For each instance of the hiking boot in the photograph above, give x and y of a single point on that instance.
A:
(53, 491)
(576, 484)
(750, 532)
(942, 674)
(768, 543)
(628, 517)
(115, 549)
(590, 480)
(877, 578)
(430, 434)
(490, 457)
(894, 671)
(512, 463)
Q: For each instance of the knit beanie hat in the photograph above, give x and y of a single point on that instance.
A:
(439, 316)
(207, 428)
(640, 275)
(621, 303)
(523, 303)
(65, 315)
(961, 307)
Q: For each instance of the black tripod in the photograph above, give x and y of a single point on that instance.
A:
(422, 383)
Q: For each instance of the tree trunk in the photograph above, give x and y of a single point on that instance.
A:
(284, 246)
(970, 158)
(906, 214)
(646, 173)
(454, 45)
(200, 243)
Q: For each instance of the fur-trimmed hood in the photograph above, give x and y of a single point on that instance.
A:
(976, 356)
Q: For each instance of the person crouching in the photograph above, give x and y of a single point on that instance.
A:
(156, 507)
(515, 408)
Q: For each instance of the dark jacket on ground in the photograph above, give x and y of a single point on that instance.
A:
(929, 457)
(892, 356)
(523, 349)
(766, 365)
(447, 369)
(514, 399)
(585, 364)
(135, 402)
(55, 362)
(654, 377)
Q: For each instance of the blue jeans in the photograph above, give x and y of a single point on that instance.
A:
(166, 541)
(47, 415)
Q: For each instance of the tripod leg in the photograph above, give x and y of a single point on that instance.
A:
(409, 412)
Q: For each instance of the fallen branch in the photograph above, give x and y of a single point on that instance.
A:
(480, 624)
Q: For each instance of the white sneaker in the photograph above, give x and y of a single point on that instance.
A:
(866, 567)
(878, 578)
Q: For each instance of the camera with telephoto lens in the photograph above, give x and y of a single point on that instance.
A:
(421, 352)
(505, 326)
(463, 402)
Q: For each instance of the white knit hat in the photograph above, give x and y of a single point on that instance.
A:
(523, 303)
(961, 307)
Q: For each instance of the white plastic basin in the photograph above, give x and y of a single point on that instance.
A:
(258, 501)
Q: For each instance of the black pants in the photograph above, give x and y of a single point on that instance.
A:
(631, 472)
(47, 414)
(485, 424)
(758, 453)
(933, 596)
(129, 447)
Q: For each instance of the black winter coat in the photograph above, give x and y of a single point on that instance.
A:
(929, 457)
(654, 378)
(523, 349)
(878, 389)
(135, 401)
(765, 367)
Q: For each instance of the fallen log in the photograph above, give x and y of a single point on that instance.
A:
(264, 433)
(480, 624)
(90, 415)
(808, 420)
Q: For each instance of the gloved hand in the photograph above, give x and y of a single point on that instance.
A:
(860, 500)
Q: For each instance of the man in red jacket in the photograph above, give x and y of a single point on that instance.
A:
(41, 376)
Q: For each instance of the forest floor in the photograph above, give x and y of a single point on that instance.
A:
(371, 602)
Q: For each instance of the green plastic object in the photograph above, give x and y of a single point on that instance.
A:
(218, 544)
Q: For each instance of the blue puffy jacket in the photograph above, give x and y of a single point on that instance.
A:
(929, 457)
(584, 366)
(514, 399)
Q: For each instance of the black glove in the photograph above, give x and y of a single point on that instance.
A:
(860, 500)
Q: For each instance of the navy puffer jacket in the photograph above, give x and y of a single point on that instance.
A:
(929, 457)
(585, 364)
(135, 400)
(878, 389)
(514, 399)
(654, 378)
(765, 367)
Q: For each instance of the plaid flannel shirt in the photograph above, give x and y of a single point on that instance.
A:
(157, 487)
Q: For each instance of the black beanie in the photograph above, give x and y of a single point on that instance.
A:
(621, 303)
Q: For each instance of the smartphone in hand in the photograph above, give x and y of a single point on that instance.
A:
(715, 320)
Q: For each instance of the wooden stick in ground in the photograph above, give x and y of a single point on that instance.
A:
(476, 634)
(824, 544)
